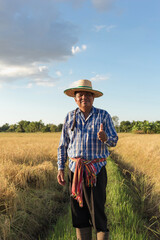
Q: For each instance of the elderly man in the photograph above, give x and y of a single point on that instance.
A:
(86, 135)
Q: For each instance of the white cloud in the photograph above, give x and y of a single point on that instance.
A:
(98, 28)
(28, 30)
(73, 84)
(103, 5)
(42, 68)
(84, 47)
(33, 34)
(96, 78)
(58, 73)
(33, 73)
(45, 83)
(78, 49)
(100, 77)
(108, 28)
(29, 85)
(15, 72)
(75, 49)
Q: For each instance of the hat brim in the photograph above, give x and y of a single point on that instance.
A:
(71, 92)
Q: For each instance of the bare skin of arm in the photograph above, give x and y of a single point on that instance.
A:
(60, 177)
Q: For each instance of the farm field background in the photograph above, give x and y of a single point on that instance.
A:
(140, 153)
(30, 198)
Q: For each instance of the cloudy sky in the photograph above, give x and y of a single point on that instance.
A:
(46, 45)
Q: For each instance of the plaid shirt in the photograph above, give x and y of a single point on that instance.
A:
(83, 141)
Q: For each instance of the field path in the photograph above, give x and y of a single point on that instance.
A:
(126, 219)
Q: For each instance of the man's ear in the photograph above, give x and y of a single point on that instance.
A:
(75, 99)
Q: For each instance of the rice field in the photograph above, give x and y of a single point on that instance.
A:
(141, 153)
(31, 200)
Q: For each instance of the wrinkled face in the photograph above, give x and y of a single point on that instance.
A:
(84, 100)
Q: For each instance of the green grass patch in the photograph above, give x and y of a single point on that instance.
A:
(125, 206)
(63, 229)
(125, 209)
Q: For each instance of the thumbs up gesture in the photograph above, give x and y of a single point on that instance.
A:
(101, 134)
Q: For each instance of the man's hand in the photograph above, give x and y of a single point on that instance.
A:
(101, 134)
(60, 177)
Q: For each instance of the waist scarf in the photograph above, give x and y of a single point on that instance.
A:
(90, 173)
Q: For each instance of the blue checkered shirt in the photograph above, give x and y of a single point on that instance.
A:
(83, 140)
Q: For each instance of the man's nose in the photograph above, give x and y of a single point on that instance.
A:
(84, 96)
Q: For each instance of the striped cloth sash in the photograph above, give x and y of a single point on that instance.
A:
(90, 173)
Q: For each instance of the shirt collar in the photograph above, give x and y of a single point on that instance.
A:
(93, 110)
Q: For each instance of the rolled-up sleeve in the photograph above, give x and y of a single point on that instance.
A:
(63, 146)
(112, 136)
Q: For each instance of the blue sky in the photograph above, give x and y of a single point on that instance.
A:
(46, 45)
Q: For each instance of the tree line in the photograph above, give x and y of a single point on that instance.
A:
(27, 126)
(144, 127)
(140, 127)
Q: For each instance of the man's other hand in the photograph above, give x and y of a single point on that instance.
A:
(60, 177)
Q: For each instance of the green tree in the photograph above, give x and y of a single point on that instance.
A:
(40, 125)
(5, 127)
(59, 127)
(157, 127)
(12, 128)
(23, 126)
(46, 128)
(138, 127)
(35, 126)
(53, 128)
(125, 126)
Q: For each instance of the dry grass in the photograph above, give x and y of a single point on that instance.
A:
(26, 159)
(27, 148)
(142, 153)
(138, 155)
(30, 197)
(28, 186)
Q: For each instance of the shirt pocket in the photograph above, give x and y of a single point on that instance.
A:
(93, 129)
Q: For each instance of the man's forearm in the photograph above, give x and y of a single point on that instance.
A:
(111, 141)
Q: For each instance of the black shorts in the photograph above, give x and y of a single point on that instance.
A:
(93, 212)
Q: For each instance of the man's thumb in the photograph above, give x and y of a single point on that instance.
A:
(101, 127)
(62, 177)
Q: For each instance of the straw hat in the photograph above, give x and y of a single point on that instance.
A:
(82, 85)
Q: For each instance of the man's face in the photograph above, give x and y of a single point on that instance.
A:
(84, 100)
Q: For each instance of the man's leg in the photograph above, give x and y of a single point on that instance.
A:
(80, 216)
(102, 235)
(84, 233)
(98, 199)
